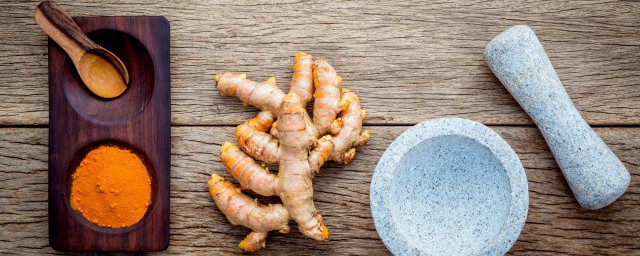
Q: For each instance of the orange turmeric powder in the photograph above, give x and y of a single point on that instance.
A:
(111, 187)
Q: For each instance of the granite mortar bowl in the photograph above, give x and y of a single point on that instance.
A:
(449, 186)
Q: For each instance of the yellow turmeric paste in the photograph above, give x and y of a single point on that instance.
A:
(111, 187)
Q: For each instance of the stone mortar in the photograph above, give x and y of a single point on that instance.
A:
(449, 186)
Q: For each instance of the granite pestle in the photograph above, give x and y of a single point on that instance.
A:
(596, 176)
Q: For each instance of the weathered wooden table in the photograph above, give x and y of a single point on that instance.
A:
(408, 61)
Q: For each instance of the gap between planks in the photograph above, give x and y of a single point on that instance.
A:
(28, 126)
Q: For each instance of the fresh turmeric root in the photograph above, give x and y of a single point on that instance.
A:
(283, 133)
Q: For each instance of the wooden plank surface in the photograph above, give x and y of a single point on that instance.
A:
(408, 61)
(555, 224)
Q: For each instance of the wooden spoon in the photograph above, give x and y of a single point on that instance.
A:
(101, 71)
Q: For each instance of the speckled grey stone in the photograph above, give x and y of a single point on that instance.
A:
(449, 186)
(596, 176)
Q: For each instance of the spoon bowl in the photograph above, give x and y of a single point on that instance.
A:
(103, 73)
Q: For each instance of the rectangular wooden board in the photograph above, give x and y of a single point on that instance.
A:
(139, 120)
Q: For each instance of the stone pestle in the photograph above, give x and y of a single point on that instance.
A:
(596, 176)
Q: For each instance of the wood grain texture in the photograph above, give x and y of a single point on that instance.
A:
(408, 60)
(555, 224)
(60, 27)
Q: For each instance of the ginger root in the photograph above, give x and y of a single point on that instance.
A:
(283, 133)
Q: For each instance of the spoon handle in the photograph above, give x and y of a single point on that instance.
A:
(596, 176)
(58, 25)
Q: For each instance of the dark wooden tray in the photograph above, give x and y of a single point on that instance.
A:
(139, 119)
